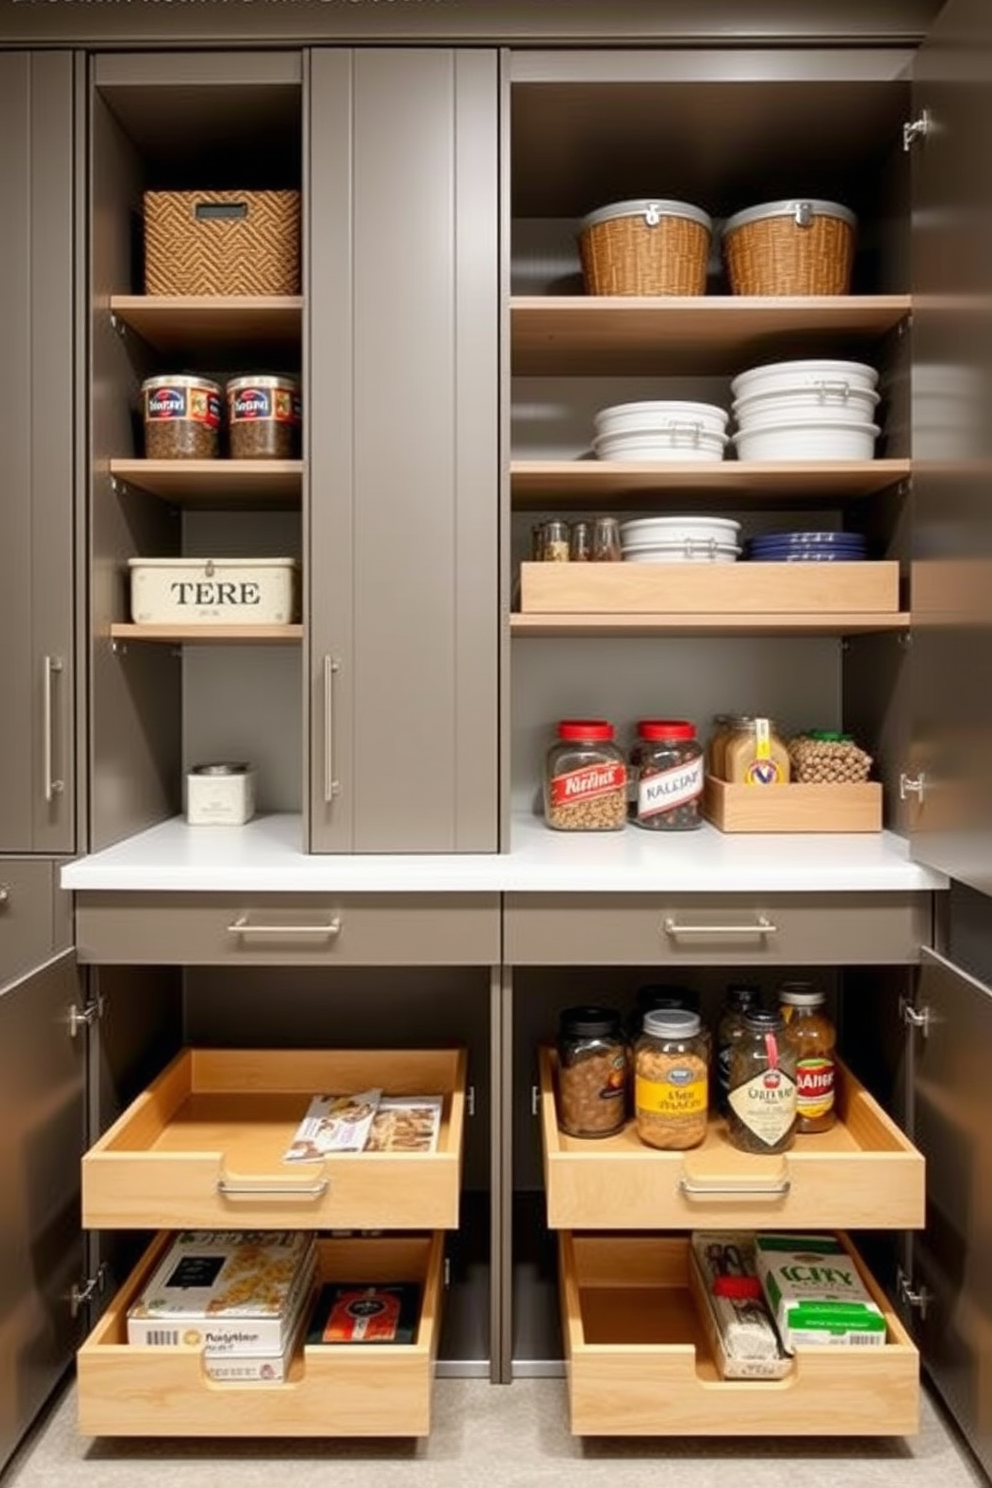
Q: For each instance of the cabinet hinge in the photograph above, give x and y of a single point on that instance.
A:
(917, 1299)
(915, 1017)
(917, 129)
(470, 1100)
(85, 1291)
(84, 1017)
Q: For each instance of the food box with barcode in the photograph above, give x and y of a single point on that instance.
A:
(815, 1293)
(214, 591)
(226, 1291)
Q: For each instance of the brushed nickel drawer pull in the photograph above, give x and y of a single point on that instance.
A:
(245, 1189)
(243, 926)
(51, 787)
(332, 786)
(761, 926)
(739, 1190)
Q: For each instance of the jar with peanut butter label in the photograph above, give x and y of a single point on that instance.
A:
(755, 755)
(671, 1080)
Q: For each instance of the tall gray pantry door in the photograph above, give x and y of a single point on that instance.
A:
(37, 803)
(402, 528)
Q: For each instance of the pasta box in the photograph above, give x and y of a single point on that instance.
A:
(214, 591)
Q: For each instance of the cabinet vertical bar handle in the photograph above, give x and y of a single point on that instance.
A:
(52, 666)
(331, 785)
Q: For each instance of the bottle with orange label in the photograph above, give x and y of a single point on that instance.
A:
(755, 755)
(811, 1034)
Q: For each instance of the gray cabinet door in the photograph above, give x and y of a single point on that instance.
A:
(947, 784)
(42, 1116)
(37, 803)
(402, 531)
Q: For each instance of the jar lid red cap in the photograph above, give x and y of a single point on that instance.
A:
(585, 728)
(666, 728)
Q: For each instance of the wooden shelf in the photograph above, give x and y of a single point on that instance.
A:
(208, 635)
(215, 483)
(606, 335)
(689, 625)
(538, 484)
(176, 323)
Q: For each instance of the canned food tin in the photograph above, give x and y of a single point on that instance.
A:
(263, 417)
(181, 417)
(220, 794)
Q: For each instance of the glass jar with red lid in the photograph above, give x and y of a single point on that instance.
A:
(668, 784)
(585, 778)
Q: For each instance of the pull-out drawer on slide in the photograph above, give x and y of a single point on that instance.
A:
(640, 1363)
(716, 929)
(332, 1390)
(863, 1174)
(177, 929)
(203, 1146)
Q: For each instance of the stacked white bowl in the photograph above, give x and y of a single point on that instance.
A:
(661, 430)
(680, 540)
(807, 410)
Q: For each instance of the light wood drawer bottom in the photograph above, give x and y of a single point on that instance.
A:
(639, 1363)
(383, 1390)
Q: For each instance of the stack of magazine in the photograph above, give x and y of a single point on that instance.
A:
(241, 1297)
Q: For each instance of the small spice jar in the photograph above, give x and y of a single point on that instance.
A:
(754, 754)
(592, 1072)
(181, 417)
(741, 997)
(606, 544)
(263, 417)
(761, 1109)
(810, 1033)
(671, 1080)
(585, 779)
(556, 542)
(669, 775)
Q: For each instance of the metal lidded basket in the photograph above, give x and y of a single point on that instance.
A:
(645, 247)
(222, 242)
(799, 247)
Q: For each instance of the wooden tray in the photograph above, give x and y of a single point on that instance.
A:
(793, 808)
(709, 588)
(202, 1147)
(863, 1174)
(383, 1390)
(640, 1364)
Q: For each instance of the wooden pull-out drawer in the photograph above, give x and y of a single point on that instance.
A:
(176, 929)
(863, 1174)
(640, 1364)
(348, 1390)
(203, 1146)
(716, 929)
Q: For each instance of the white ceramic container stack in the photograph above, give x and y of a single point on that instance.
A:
(806, 410)
(680, 540)
(662, 430)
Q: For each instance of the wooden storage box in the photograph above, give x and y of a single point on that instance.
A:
(203, 1146)
(640, 1364)
(214, 591)
(222, 242)
(381, 1390)
(863, 1174)
(709, 588)
(793, 808)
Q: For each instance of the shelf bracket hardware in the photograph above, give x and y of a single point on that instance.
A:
(912, 785)
(118, 648)
(917, 129)
(447, 1273)
(915, 1017)
(535, 1100)
(917, 1299)
(470, 1100)
(93, 1286)
(117, 324)
(84, 1017)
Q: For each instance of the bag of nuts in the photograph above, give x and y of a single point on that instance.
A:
(820, 757)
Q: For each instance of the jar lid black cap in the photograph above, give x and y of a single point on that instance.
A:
(589, 1021)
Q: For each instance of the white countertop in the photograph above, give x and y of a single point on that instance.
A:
(265, 857)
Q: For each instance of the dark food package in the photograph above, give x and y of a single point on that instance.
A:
(365, 1312)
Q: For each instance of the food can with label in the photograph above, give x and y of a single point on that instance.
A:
(264, 415)
(585, 778)
(669, 775)
(181, 417)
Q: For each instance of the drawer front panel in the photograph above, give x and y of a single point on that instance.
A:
(281, 929)
(864, 1174)
(27, 920)
(639, 1363)
(715, 929)
(126, 1390)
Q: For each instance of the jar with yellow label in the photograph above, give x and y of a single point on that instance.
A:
(755, 755)
(811, 1034)
(671, 1080)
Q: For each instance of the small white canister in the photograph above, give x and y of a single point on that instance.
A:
(220, 795)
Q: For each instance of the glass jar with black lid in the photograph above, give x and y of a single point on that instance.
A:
(592, 1072)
